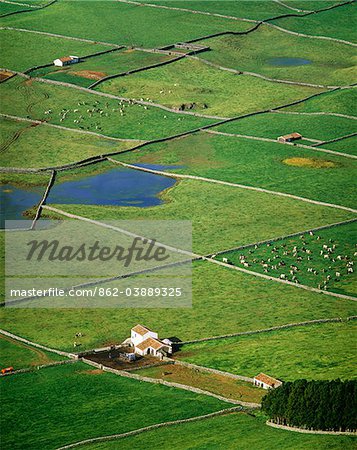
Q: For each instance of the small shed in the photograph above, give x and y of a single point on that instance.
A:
(266, 382)
(66, 60)
(289, 137)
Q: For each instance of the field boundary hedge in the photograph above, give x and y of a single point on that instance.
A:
(42, 366)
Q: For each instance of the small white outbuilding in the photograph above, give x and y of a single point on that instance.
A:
(66, 60)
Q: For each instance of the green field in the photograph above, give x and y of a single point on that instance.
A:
(273, 125)
(101, 403)
(342, 101)
(92, 69)
(121, 23)
(337, 23)
(268, 259)
(270, 165)
(319, 352)
(45, 146)
(346, 145)
(329, 63)
(19, 355)
(232, 432)
(21, 50)
(224, 94)
(224, 301)
(255, 10)
(75, 109)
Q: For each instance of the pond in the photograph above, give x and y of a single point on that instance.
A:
(286, 61)
(116, 187)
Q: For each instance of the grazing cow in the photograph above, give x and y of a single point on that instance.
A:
(350, 270)
(225, 260)
(338, 274)
(282, 276)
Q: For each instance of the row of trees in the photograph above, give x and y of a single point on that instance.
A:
(318, 405)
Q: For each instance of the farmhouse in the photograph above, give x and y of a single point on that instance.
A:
(289, 137)
(147, 342)
(266, 382)
(66, 60)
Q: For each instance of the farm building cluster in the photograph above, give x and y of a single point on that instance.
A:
(146, 342)
(307, 259)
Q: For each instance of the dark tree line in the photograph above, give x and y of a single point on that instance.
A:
(318, 405)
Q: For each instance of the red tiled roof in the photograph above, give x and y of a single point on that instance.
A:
(270, 381)
(150, 342)
(140, 329)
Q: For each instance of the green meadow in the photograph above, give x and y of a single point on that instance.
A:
(223, 301)
(45, 146)
(335, 23)
(273, 125)
(232, 432)
(92, 69)
(324, 62)
(311, 250)
(211, 90)
(121, 23)
(20, 356)
(76, 109)
(270, 165)
(346, 145)
(319, 352)
(47, 402)
(253, 10)
(342, 101)
(21, 51)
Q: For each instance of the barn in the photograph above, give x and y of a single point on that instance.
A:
(66, 60)
(289, 137)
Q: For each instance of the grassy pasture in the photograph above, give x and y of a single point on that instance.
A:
(331, 63)
(19, 355)
(232, 432)
(256, 10)
(268, 165)
(64, 106)
(336, 23)
(92, 69)
(121, 23)
(45, 146)
(319, 352)
(212, 90)
(221, 215)
(348, 145)
(218, 384)
(340, 102)
(21, 50)
(47, 402)
(342, 237)
(6, 8)
(224, 301)
(273, 125)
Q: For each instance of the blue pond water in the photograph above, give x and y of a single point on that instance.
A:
(285, 61)
(117, 187)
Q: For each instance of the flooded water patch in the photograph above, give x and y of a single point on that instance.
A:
(283, 61)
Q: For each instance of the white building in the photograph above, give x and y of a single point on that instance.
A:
(147, 342)
(266, 382)
(66, 60)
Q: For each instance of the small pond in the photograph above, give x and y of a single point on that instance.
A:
(117, 187)
(286, 61)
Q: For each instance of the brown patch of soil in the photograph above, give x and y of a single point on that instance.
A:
(91, 372)
(309, 162)
(4, 74)
(90, 74)
(217, 384)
